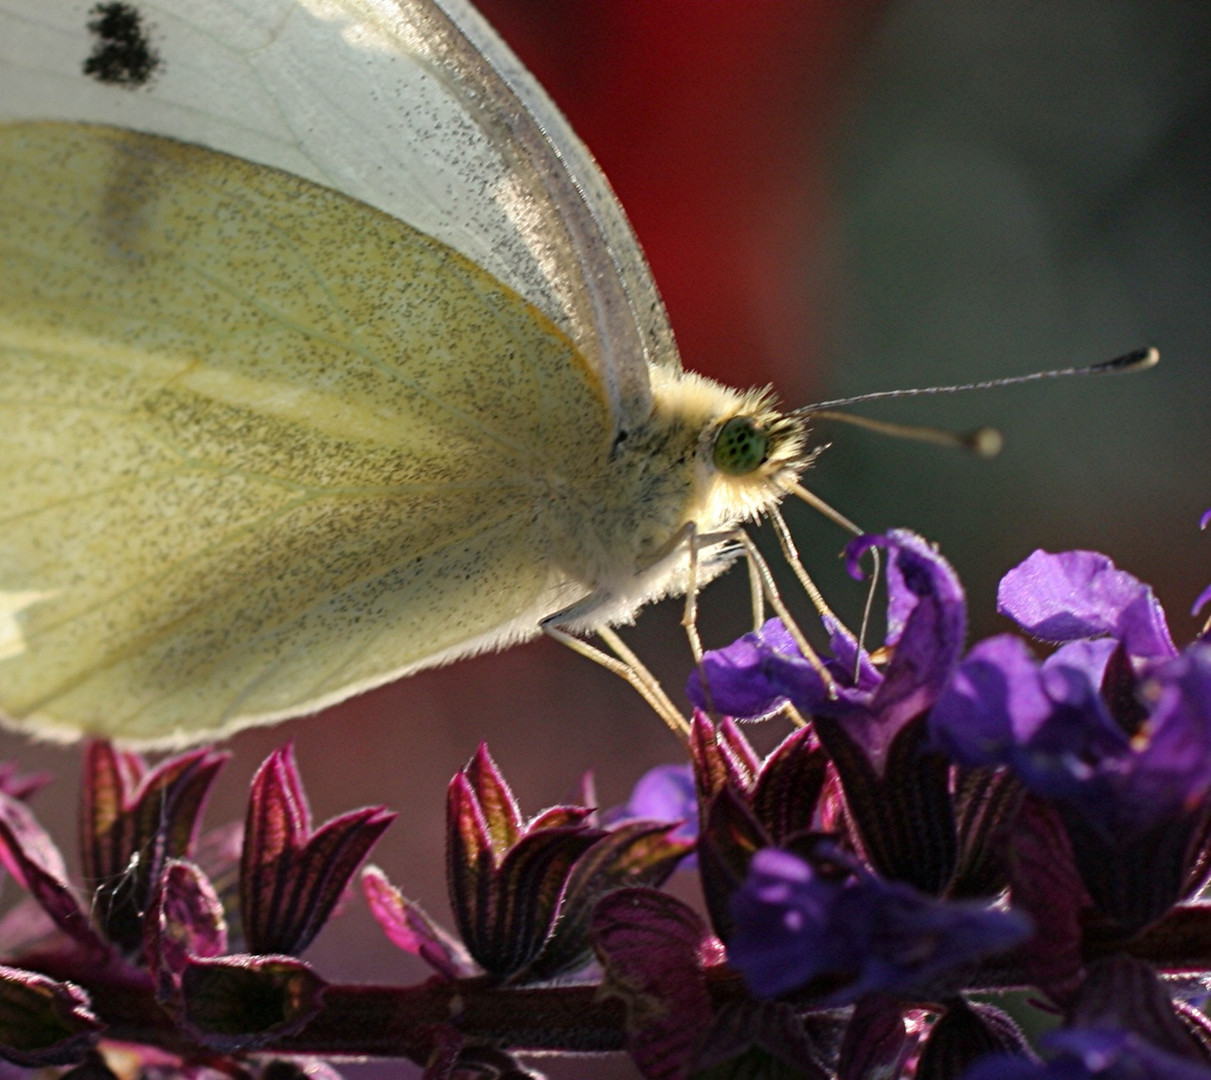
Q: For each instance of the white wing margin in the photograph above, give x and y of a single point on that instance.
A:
(413, 106)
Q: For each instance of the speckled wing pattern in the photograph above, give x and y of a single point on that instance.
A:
(414, 107)
(262, 445)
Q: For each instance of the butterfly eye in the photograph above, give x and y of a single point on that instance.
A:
(740, 447)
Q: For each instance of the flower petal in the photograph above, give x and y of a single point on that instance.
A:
(1081, 594)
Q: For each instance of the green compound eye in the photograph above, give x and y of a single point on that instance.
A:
(740, 447)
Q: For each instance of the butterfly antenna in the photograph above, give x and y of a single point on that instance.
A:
(985, 442)
(1139, 360)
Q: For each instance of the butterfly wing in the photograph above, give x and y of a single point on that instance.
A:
(263, 446)
(412, 106)
(245, 474)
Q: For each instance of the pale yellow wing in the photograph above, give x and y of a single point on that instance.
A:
(415, 107)
(261, 445)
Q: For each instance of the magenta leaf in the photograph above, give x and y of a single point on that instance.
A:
(495, 799)
(631, 854)
(654, 949)
(1045, 885)
(469, 855)
(408, 927)
(238, 1003)
(789, 786)
(132, 822)
(731, 835)
(722, 756)
(32, 858)
(876, 1042)
(43, 1021)
(184, 921)
(18, 786)
(1123, 992)
(760, 1039)
(965, 1033)
(507, 878)
(523, 899)
(291, 878)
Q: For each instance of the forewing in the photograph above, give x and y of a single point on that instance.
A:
(412, 106)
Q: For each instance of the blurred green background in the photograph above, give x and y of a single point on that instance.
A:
(839, 198)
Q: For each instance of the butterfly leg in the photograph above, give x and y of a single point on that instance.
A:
(625, 664)
(763, 589)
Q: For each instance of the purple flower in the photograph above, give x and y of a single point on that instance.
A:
(1081, 594)
(870, 715)
(926, 617)
(663, 793)
(1092, 1054)
(1114, 727)
(1124, 767)
(838, 925)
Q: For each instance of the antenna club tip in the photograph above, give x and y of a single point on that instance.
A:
(1140, 360)
(985, 442)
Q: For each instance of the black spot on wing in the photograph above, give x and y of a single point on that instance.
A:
(122, 52)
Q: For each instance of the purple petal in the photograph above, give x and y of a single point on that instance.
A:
(749, 677)
(664, 793)
(916, 571)
(1127, 788)
(1047, 722)
(779, 914)
(1089, 658)
(1201, 602)
(994, 702)
(794, 926)
(1171, 769)
(1080, 594)
(927, 625)
(1108, 1054)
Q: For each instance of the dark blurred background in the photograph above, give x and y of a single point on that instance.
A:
(837, 198)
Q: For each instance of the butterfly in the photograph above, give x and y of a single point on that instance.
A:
(309, 384)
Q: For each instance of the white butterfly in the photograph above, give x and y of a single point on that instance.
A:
(307, 384)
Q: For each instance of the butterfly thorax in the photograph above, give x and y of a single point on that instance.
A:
(663, 475)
